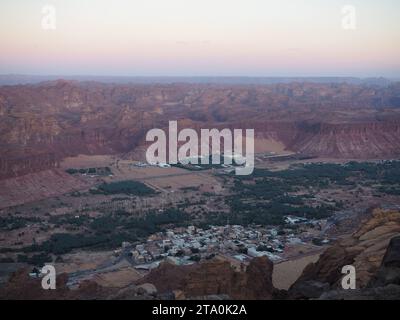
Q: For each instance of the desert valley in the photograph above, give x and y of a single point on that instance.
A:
(76, 191)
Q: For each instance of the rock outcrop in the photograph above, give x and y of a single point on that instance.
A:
(22, 287)
(384, 285)
(389, 272)
(43, 123)
(374, 252)
(216, 278)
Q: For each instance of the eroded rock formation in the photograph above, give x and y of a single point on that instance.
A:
(42, 123)
(371, 250)
(216, 277)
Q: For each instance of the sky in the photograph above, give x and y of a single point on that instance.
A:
(200, 37)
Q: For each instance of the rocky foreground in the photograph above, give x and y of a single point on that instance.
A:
(374, 250)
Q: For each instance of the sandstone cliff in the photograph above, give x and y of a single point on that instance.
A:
(42, 123)
(216, 277)
(368, 250)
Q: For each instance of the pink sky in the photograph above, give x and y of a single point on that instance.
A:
(209, 37)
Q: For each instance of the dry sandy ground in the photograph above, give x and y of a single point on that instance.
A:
(263, 145)
(115, 275)
(126, 171)
(171, 178)
(84, 260)
(204, 182)
(119, 278)
(87, 161)
(160, 178)
(37, 186)
(287, 272)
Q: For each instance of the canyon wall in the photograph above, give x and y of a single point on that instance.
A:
(42, 123)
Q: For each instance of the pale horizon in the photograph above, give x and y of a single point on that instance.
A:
(188, 38)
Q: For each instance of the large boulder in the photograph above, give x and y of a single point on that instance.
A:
(147, 289)
(373, 250)
(215, 278)
(309, 289)
(389, 272)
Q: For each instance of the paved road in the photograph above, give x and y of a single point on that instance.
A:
(75, 277)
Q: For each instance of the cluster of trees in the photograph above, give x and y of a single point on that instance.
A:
(128, 187)
(273, 212)
(108, 231)
(13, 223)
(324, 174)
(184, 189)
(61, 243)
(36, 259)
(263, 198)
(69, 219)
(97, 171)
(200, 166)
(393, 190)
(153, 222)
(264, 188)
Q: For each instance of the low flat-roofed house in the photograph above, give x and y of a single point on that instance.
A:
(294, 220)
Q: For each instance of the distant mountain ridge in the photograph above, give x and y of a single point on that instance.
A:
(45, 122)
(15, 79)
